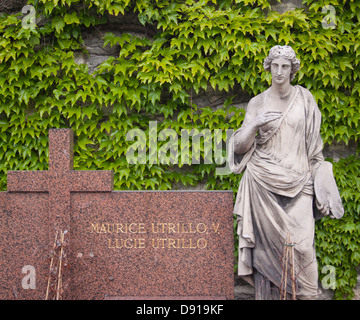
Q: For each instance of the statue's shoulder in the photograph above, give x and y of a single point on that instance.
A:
(309, 98)
(311, 105)
(258, 101)
(306, 92)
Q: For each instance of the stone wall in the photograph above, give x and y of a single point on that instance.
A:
(11, 5)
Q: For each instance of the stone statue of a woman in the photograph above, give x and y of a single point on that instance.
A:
(285, 184)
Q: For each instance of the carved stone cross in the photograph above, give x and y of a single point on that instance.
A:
(60, 180)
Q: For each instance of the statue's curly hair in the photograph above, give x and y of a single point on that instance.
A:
(286, 52)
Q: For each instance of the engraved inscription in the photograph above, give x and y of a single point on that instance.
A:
(159, 235)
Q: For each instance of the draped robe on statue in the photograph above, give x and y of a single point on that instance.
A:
(275, 197)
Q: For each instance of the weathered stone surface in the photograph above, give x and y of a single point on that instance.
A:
(11, 5)
(286, 5)
(339, 150)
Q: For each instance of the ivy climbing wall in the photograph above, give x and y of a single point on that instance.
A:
(104, 68)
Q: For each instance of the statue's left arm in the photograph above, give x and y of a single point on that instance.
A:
(327, 196)
(314, 143)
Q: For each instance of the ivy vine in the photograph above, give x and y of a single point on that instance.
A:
(197, 46)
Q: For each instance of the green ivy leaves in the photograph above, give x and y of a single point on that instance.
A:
(198, 46)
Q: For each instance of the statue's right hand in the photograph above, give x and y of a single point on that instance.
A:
(266, 117)
(244, 140)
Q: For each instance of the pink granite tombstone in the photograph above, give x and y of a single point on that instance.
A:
(116, 244)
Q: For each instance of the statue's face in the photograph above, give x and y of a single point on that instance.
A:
(281, 70)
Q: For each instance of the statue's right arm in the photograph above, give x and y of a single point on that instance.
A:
(245, 137)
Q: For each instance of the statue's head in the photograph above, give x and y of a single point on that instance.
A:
(285, 52)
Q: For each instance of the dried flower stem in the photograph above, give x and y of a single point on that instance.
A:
(51, 265)
(288, 260)
(54, 284)
(59, 282)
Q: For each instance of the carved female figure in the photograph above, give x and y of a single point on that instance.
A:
(279, 149)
